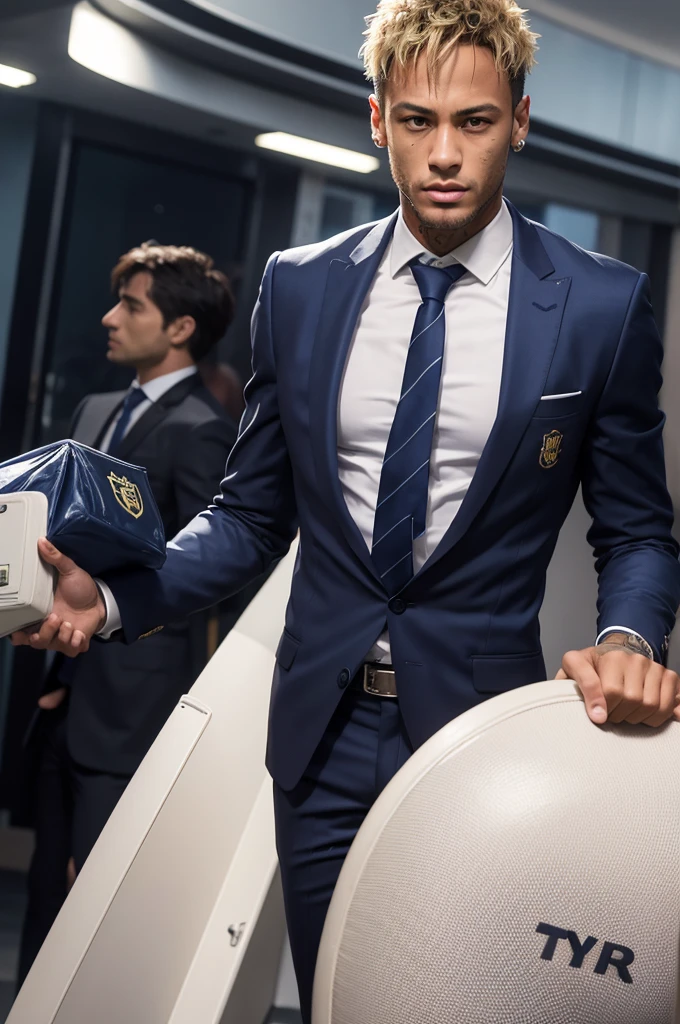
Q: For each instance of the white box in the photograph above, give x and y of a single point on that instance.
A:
(26, 583)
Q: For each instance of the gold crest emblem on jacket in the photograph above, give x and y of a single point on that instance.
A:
(550, 452)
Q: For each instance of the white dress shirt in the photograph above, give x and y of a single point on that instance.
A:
(476, 311)
(153, 389)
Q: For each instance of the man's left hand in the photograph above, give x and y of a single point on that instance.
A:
(621, 686)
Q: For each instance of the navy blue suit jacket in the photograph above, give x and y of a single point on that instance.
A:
(466, 625)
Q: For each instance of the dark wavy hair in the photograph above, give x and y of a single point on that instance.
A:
(185, 283)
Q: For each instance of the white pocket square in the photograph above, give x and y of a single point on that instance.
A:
(568, 394)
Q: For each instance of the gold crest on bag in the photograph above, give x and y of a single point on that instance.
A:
(127, 494)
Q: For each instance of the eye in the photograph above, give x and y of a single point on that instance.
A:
(476, 123)
(415, 121)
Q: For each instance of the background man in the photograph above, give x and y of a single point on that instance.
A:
(108, 707)
(428, 393)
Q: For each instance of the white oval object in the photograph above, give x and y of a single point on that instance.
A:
(522, 868)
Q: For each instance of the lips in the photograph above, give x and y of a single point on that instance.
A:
(445, 193)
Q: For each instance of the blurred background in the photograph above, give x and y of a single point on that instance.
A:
(127, 120)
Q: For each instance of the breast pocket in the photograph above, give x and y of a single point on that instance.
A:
(287, 650)
(554, 406)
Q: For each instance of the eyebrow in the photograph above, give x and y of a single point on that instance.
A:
(482, 108)
(130, 299)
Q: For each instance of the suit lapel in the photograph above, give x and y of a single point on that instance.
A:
(96, 417)
(347, 286)
(155, 415)
(535, 311)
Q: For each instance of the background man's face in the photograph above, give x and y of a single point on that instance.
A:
(135, 325)
(448, 139)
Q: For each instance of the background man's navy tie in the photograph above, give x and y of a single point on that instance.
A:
(134, 397)
(402, 496)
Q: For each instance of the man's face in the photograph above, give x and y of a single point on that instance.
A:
(135, 325)
(449, 139)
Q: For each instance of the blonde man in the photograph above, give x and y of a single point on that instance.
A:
(428, 394)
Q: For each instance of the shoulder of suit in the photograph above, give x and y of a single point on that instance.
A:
(108, 397)
(102, 402)
(339, 245)
(198, 407)
(562, 250)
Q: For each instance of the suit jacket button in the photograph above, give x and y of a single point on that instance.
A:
(343, 678)
(397, 605)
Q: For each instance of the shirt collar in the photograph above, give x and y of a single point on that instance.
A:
(156, 388)
(483, 255)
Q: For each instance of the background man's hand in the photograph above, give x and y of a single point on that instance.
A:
(78, 611)
(52, 700)
(620, 686)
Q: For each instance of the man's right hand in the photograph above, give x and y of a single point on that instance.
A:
(77, 614)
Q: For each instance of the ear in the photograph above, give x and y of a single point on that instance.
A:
(180, 330)
(378, 132)
(520, 126)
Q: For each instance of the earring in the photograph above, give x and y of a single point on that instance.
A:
(520, 146)
(377, 142)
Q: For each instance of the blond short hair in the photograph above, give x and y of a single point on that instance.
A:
(400, 30)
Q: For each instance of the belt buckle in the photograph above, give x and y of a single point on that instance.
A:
(380, 682)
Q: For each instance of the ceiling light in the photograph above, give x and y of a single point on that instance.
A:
(107, 48)
(15, 78)
(308, 149)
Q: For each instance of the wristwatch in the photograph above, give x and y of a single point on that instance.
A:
(628, 642)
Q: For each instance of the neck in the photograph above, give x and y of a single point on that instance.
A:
(442, 240)
(146, 373)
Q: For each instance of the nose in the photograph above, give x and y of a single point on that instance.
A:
(109, 319)
(446, 154)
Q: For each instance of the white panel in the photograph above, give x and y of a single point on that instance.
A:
(187, 854)
(240, 900)
(68, 944)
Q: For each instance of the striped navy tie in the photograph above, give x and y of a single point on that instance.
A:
(134, 397)
(402, 496)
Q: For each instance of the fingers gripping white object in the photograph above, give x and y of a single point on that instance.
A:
(26, 583)
(522, 867)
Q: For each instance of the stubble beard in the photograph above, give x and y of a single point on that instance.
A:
(431, 226)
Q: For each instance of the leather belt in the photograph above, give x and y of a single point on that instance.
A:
(377, 680)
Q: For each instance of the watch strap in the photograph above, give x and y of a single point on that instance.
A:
(632, 642)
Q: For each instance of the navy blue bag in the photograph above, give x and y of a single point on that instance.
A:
(102, 513)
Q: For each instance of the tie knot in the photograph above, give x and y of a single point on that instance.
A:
(434, 282)
(134, 397)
